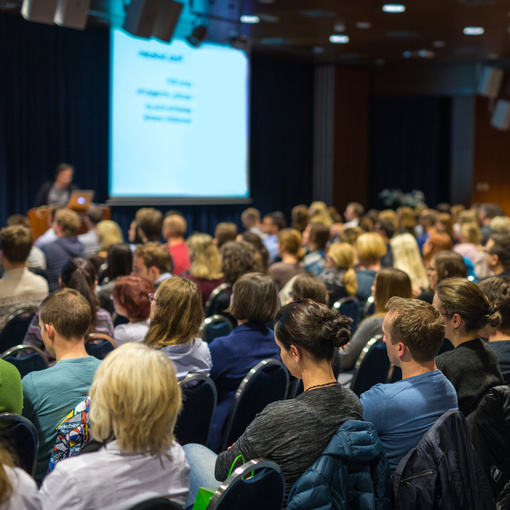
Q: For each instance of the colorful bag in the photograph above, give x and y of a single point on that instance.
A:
(72, 433)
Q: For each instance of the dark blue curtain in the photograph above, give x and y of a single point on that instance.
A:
(54, 108)
(410, 144)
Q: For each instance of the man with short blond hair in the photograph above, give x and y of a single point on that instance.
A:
(403, 411)
(18, 286)
(67, 246)
(153, 262)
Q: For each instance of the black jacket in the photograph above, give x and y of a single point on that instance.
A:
(442, 471)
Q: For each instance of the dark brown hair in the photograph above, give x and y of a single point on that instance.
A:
(391, 282)
(238, 258)
(307, 285)
(150, 222)
(155, 254)
(68, 312)
(132, 293)
(497, 291)
(225, 232)
(449, 264)
(312, 327)
(16, 243)
(319, 234)
(255, 298)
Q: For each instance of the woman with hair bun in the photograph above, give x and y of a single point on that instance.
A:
(293, 433)
(472, 367)
(292, 253)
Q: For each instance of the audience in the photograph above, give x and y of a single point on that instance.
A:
(407, 258)
(315, 239)
(66, 246)
(149, 224)
(472, 367)
(18, 287)
(135, 401)
(225, 232)
(370, 248)
(403, 411)
(176, 316)
(174, 230)
(497, 254)
(250, 219)
(318, 213)
(108, 234)
(271, 224)
(291, 253)
(36, 261)
(153, 262)
(299, 216)
(131, 300)
(308, 286)
(253, 304)
(256, 241)
(49, 395)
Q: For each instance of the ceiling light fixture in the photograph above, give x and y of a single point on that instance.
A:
(394, 8)
(338, 39)
(364, 25)
(439, 44)
(245, 18)
(473, 30)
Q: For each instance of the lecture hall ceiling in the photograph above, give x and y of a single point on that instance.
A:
(427, 30)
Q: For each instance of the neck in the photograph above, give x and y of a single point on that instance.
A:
(8, 266)
(375, 266)
(413, 368)
(240, 323)
(460, 337)
(316, 374)
(69, 349)
(172, 241)
(60, 185)
(289, 259)
(500, 336)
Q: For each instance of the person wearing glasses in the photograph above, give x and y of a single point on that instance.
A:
(176, 316)
(471, 367)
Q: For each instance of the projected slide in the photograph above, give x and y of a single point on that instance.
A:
(178, 120)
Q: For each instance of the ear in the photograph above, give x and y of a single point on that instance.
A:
(401, 350)
(296, 353)
(50, 330)
(456, 320)
(154, 272)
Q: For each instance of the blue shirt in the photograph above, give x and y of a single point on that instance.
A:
(403, 411)
(271, 243)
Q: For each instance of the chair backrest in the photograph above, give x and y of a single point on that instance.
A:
(489, 427)
(265, 489)
(368, 308)
(215, 326)
(20, 435)
(100, 350)
(266, 382)
(372, 366)
(210, 305)
(157, 504)
(295, 387)
(199, 403)
(35, 360)
(16, 327)
(349, 306)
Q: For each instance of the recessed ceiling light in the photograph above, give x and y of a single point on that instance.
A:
(339, 39)
(363, 25)
(439, 44)
(245, 18)
(394, 8)
(473, 30)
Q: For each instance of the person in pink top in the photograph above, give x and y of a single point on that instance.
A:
(174, 229)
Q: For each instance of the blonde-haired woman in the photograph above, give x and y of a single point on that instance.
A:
(108, 233)
(319, 213)
(135, 401)
(292, 253)
(176, 316)
(407, 258)
(370, 248)
(205, 267)
(339, 275)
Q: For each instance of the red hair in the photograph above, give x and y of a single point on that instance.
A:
(131, 292)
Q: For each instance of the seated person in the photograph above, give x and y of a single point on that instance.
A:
(315, 238)
(294, 432)
(153, 262)
(472, 367)
(308, 286)
(253, 304)
(135, 400)
(18, 287)
(176, 317)
(65, 247)
(131, 300)
(225, 232)
(36, 260)
(50, 394)
(291, 253)
(403, 411)
(174, 230)
(497, 290)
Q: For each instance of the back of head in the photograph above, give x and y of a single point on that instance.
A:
(312, 327)
(291, 239)
(343, 255)
(319, 214)
(250, 217)
(120, 260)
(255, 298)
(135, 399)
(465, 298)
(68, 312)
(444, 221)
(205, 257)
(319, 235)
(357, 208)
(238, 258)
(450, 264)
(108, 233)
(18, 219)
(497, 291)
(150, 222)
(94, 214)
(178, 313)
(406, 218)
(489, 211)
(155, 254)
(225, 232)
(16, 243)
(500, 224)
(501, 247)
(418, 325)
(470, 233)
(407, 257)
(391, 282)
(132, 293)
(388, 227)
(68, 220)
(308, 286)
(299, 215)
(438, 241)
(468, 216)
(371, 247)
(175, 225)
(429, 217)
(278, 219)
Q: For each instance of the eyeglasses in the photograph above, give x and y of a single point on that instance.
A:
(153, 298)
(488, 252)
(430, 268)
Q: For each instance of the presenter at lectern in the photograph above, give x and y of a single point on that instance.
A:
(58, 191)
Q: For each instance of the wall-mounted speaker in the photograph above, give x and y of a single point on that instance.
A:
(490, 83)
(501, 116)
